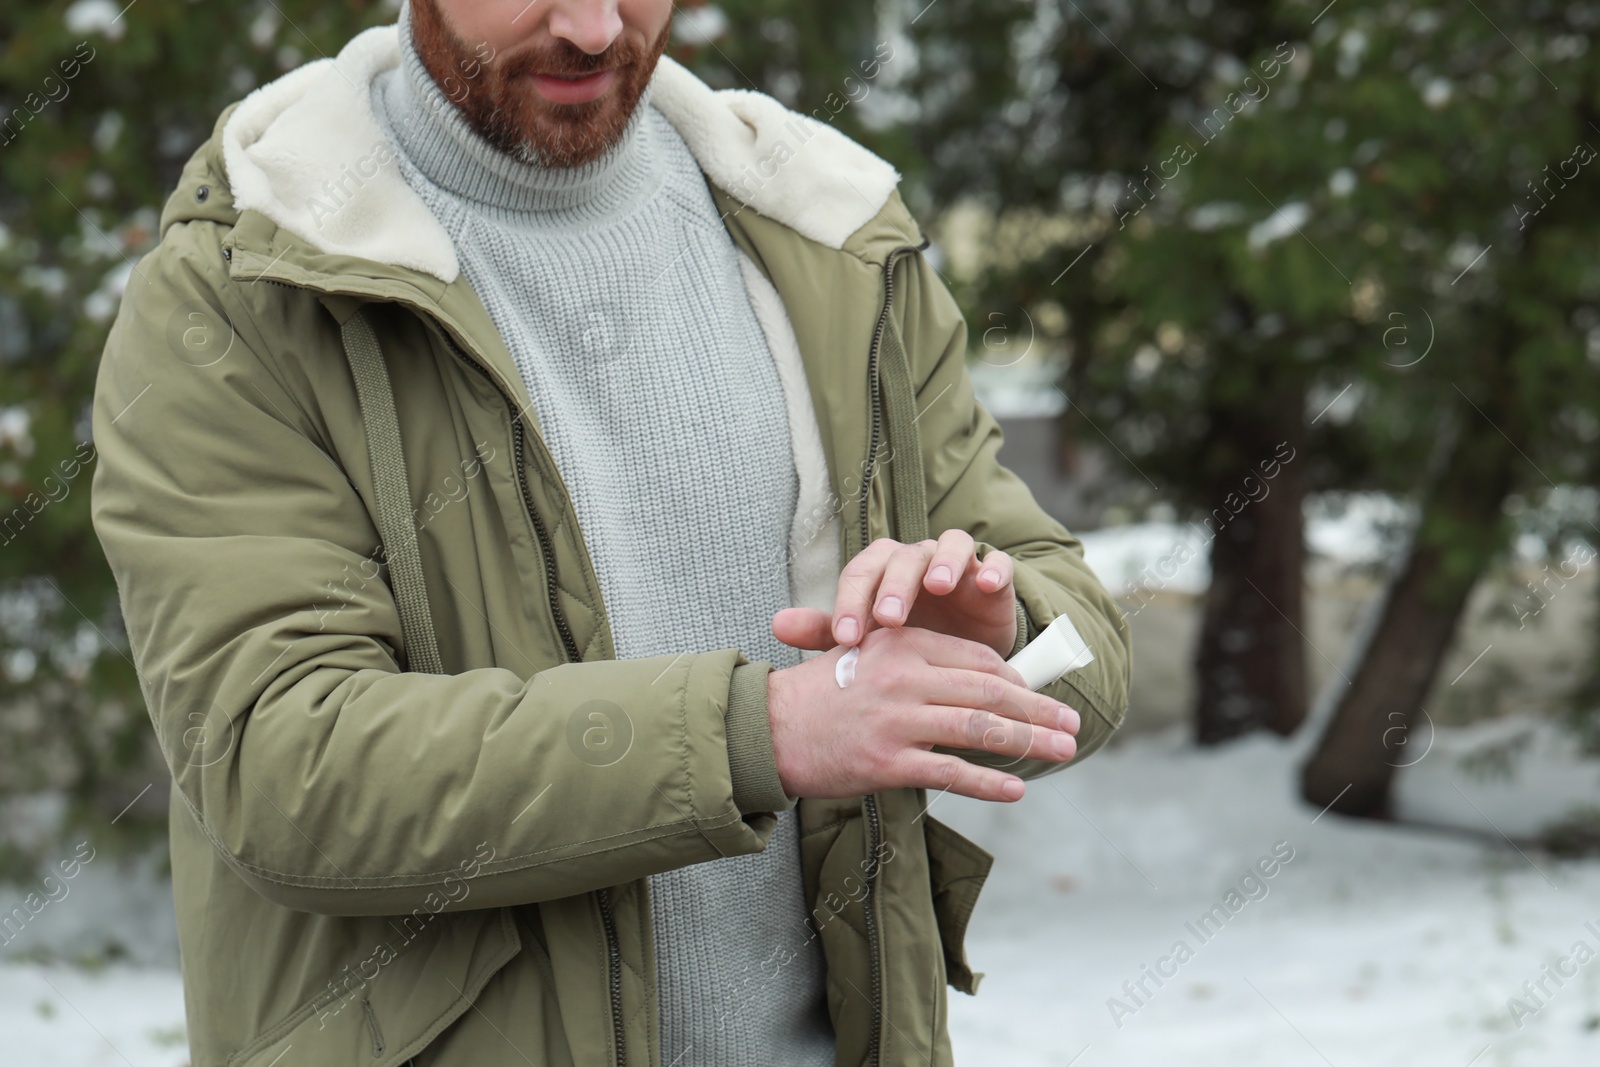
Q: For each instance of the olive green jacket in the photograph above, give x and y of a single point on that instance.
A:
(376, 862)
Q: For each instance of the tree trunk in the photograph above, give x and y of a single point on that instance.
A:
(1460, 530)
(1250, 656)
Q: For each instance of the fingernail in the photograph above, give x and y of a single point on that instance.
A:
(1068, 719)
(1065, 747)
(847, 630)
(940, 574)
(1012, 790)
(891, 607)
(991, 577)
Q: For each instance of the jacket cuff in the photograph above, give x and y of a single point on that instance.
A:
(1024, 634)
(751, 763)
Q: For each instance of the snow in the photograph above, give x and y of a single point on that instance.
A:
(1010, 377)
(1530, 775)
(70, 1017)
(1149, 556)
(14, 423)
(96, 16)
(1281, 223)
(1372, 945)
(1346, 530)
(108, 907)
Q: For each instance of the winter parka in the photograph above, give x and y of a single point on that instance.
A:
(397, 840)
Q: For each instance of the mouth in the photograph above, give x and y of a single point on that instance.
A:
(573, 88)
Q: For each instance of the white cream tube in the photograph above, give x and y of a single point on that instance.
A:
(1057, 650)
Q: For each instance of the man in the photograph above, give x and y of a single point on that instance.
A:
(479, 452)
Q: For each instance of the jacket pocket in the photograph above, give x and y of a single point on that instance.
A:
(413, 996)
(957, 869)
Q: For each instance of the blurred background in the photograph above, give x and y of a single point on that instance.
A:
(1290, 310)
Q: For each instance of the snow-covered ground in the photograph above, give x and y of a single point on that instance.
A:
(64, 1016)
(1369, 945)
(1373, 945)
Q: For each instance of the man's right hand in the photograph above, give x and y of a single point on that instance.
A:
(913, 689)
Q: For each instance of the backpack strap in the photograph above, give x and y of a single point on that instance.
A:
(393, 491)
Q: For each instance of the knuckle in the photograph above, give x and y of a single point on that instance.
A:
(1004, 736)
(894, 770)
(976, 728)
(992, 691)
(882, 759)
(999, 736)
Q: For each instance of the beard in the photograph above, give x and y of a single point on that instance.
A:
(497, 97)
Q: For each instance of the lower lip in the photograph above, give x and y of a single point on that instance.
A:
(574, 90)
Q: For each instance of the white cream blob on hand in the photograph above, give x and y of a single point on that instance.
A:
(844, 671)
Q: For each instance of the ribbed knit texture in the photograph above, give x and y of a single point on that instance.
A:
(617, 291)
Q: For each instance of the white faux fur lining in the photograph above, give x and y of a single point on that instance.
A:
(814, 534)
(307, 151)
(787, 166)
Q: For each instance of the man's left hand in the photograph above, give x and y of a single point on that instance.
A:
(937, 585)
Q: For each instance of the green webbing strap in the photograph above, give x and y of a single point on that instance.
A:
(900, 403)
(393, 492)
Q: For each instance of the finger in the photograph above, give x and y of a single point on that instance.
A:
(948, 651)
(918, 768)
(986, 731)
(952, 559)
(805, 628)
(988, 692)
(858, 584)
(902, 578)
(995, 571)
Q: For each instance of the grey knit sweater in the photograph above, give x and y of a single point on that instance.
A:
(617, 291)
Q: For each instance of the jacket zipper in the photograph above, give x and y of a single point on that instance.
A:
(870, 803)
(874, 387)
(608, 919)
(518, 437)
(874, 949)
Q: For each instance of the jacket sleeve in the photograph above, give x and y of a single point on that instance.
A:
(327, 778)
(968, 489)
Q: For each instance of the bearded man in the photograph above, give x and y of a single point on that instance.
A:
(506, 457)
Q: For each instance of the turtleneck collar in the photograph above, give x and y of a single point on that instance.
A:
(432, 134)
